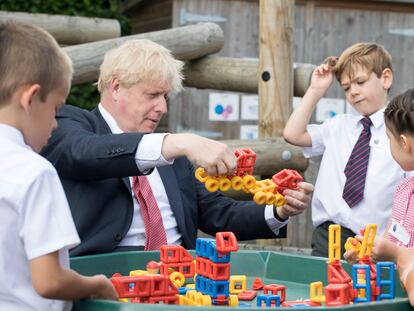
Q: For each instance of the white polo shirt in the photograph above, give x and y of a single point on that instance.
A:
(35, 220)
(335, 139)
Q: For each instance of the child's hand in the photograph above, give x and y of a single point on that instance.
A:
(322, 76)
(405, 264)
(106, 289)
(383, 250)
(351, 256)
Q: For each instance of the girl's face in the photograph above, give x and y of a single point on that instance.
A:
(402, 149)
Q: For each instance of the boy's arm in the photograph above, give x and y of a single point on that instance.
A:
(295, 131)
(52, 281)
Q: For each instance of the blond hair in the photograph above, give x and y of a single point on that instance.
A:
(30, 55)
(140, 60)
(370, 56)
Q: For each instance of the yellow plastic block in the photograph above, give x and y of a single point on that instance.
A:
(316, 292)
(249, 181)
(191, 286)
(279, 200)
(177, 278)
(237, 183)
(334, 243)
(224, 183)
(237, 284)
(201, 175)
(212, 184)
(233, 301)
(368, 240)
(138, 272)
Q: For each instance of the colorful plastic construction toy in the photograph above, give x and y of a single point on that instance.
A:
(368, 283)
(268, 191)
(213, 267)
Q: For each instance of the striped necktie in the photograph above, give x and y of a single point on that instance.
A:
(154, 227)
(356, 168)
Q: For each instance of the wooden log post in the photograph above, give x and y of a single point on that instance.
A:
(276, 27)
(237, 74)
(68, 30)
(188, 42)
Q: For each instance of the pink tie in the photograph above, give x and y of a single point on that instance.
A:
(154, 228)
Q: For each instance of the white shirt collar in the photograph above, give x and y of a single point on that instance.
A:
(11, 133)
(115, 129)
(377, 119)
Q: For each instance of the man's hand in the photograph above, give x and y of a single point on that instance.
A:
(215, 157)
(296, 200)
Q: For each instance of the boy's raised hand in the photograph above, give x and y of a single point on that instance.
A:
(322, 76)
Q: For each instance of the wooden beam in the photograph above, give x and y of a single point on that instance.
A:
(237, 74)
(272, 155)
(68, 30)
(188, 42)
(276, 27)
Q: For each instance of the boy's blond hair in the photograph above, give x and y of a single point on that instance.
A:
(30, 55)
(140, 60)
(371, 56)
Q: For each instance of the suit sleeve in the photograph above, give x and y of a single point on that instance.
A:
(81, 148)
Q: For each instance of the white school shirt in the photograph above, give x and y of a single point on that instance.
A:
(335, 139)
(148, 155)
(35, 220)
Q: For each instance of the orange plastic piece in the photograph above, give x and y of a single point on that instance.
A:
(226, 242)
(286, 179)
(247, 295)
(338, 294)
(352, 243)
(153, 267)
(275, 289)
(257, 284)
(337, 274)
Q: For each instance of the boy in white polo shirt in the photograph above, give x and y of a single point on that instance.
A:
(36, 225)
(357, 176)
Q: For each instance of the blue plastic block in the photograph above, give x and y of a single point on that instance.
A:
(268, 299)
(382, 283)
(366, 286)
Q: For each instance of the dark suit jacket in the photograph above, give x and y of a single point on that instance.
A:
(94, 166)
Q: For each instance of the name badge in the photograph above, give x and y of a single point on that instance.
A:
(398, 231)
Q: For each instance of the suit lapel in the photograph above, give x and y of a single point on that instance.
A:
(174, 197)
(103, 128)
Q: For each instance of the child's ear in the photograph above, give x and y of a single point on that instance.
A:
(29, 95)
(387, 78)
(406, 143)
(114, 86)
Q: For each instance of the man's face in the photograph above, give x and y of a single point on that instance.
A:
(365, 91)
(140, 108)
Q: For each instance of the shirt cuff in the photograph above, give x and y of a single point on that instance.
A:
(271, 221)
(148, 154)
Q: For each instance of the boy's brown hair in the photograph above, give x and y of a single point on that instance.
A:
(30, 55)
(371, 56)
(399, 114)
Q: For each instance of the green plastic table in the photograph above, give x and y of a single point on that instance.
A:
(294, 271)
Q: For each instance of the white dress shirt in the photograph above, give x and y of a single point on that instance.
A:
(35, 220)
(335, 139)
(148, 155)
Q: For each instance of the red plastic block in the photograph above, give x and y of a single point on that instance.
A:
(186, 268)
(245, 157)
(275, 289)
(211, 270)
(247, 295)
(257, 284)
(170, 253)
(286, 179)
(337, 274)
(226, 242)
(129, 287)
(338, 294)
(170, 300)
(185, 256)
(221, 300)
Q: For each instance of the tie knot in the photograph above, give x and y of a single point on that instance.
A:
(366, 123)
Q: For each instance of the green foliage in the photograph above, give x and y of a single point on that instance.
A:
(85, 96)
